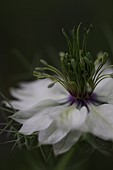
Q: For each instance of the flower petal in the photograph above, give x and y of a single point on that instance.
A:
(69, 116)
(65, 144)
(35, 124)
(100, 121)
(33, 92)
(104, 91)
(52, 134)
(38, 109)
(36, 118)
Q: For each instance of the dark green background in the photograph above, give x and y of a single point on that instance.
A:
(30, 30)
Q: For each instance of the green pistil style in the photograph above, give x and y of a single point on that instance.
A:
(79, 74)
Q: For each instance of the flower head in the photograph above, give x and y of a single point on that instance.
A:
(72, 101)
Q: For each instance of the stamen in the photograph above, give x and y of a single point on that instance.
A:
(78, 73)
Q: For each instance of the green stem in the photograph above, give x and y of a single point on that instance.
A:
(65, 160)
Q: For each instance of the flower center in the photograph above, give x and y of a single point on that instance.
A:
(85, 100)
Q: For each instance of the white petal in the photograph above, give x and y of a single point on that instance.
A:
(100, 121)
(33, 92)
(35, 124)
(69, 116)
(37, 109)
(52, 134)
(65, 144)
(104, 91)
(17, 105)
(35, 118)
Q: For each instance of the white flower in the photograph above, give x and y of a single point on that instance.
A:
(49, 112)
(79, 99)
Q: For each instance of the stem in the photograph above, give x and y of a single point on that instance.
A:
(64, 161)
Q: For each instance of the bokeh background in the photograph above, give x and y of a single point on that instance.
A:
(30, 30)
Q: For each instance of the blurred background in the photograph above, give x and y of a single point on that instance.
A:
(30, 30)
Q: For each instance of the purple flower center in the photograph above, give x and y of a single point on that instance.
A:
(85, 100)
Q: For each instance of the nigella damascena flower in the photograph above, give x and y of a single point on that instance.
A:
(75, 100)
